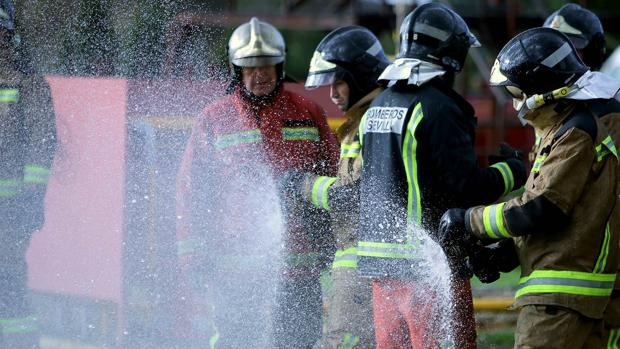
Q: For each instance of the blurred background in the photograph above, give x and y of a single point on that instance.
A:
(127, 78)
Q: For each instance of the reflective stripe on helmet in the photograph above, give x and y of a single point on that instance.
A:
(569, 282)
(557, 56)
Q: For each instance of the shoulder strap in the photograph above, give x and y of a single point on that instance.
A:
(579, 118)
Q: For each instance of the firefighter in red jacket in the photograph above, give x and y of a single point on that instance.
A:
(27, 144)
(227, 234)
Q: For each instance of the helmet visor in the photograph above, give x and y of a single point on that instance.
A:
(321, 72)
(497, 77)
(320, 79)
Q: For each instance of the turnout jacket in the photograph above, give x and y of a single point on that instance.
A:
(27, 146)
(340, 194)
(418, 161)
(225, 188)
(561, 223)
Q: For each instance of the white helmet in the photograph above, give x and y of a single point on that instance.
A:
(256, 44)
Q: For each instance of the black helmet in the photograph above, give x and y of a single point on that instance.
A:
(537, 61)
(584, 29)
(353, 54)
(436, 34)
(7, 15)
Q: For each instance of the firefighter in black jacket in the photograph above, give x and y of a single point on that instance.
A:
(418, 159)
(27, 144)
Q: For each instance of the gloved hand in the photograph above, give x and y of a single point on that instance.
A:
(454, 238)
(514, 159)
(290, 184)
(488, 261)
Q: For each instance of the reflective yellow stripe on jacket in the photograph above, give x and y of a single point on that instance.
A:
(9, 95)
(320, 192)
(18, 325)
(301, 134)
(233, 139)
(606, 147)
(410, 145)
(351, 150)
(506, 172)
(345, 258)
(493, 220)
(34, 174)
(386, 250)
(569, 282)
(9, 187)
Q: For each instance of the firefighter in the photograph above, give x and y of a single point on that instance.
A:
(418, 159)
(27, 144)
(349, 60)
(561, 224)
(238, 143)
(585, 31)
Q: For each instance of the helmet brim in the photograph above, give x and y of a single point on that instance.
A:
(318, 79)
(258, 61)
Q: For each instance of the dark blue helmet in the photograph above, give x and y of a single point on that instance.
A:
(584, 29)
(434, 33)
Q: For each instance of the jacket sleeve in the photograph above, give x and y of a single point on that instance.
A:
(451, 146)
(39, 132)
(559, 183)
(329, 149)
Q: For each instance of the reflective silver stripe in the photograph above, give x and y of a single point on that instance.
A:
(351, 150)
(431, 31)
(568, 282)
(232, 139)
(375, 48)
(557, 56)
(345, 258)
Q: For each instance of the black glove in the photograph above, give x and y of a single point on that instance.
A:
(488, 261)
(514, 159)
(454, 238)
(290, 185)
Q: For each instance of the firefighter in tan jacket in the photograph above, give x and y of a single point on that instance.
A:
(349, 59)
(561, 223)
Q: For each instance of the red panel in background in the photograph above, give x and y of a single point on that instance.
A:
(79, 250)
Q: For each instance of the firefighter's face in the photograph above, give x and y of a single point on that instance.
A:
(339, 93)
(260, 81)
